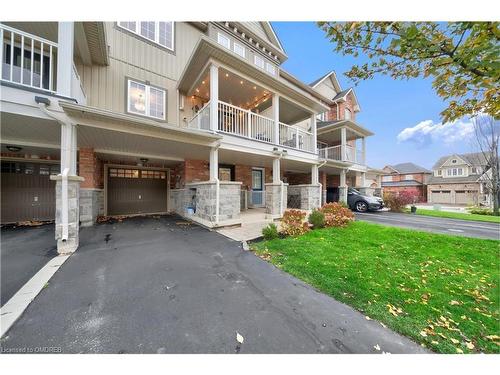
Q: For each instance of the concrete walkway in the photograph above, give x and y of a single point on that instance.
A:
(253, 221)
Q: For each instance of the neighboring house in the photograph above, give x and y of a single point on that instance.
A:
(408, 177)
(456, 179)
(197, 118)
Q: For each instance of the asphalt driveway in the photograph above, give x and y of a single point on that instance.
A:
(157, 285)
(24, 251)
(454, 227)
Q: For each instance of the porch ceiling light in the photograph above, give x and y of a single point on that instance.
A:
(144, 160)
(14, 148)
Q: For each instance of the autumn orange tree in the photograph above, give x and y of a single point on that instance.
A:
(463, 58)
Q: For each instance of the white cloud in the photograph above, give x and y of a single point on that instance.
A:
(427, 132)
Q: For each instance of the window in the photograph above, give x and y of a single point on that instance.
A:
(161, 33)
(460, 171)
(146, 100)
(259, 61)
(409, 177)
(454, 171)
(454, 161)
(223, 40)
(440, 172)
(239, 49)
(474, 170)
(387, 178)
(448, 172)
(270, 68)
(124, 173)
(153, 174)
(321, 116)
(347, 114)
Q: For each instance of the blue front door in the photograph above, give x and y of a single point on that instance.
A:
(257, 188)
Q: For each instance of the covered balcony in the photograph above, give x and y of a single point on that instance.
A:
(246, 109)
(342, 141)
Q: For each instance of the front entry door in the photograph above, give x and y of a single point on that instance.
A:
(257, 188)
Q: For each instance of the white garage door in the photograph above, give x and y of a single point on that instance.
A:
(441, 196)
(465, 196)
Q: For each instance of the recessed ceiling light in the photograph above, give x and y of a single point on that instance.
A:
(241, 82)
(255, 87)
(227, 74)
(14, 148)
(202, 82)
(197, 90)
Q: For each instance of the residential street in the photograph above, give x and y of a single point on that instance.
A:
(434, 224)
(161, 286)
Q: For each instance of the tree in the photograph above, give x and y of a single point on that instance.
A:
(463, 58)
(487, 137)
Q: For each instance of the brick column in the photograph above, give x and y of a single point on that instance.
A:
(91, 189)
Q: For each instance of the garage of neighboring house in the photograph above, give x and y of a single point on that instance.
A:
(133, 190)
(441, 196)
(465, 196)
(28, 193)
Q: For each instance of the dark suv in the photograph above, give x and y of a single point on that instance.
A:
(362, 203)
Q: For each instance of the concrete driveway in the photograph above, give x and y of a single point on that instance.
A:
(159, 286)
(24, 251)
(454, 227)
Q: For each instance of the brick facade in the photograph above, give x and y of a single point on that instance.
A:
(90, 167)
(333, 115)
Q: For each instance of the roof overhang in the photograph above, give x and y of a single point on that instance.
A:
(347, 124)
(96, 40)
(277, 49)
(207, 49)
(108, 120)
(343, 98)
(333, 77)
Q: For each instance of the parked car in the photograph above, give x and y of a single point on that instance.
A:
(362, 203)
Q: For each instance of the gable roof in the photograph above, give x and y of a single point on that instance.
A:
(473, 158)
(264, 31)
(333, 76)
(404, 168)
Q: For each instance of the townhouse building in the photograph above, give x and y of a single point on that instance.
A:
(197, 118)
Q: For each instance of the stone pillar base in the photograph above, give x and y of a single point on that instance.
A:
(276, 202)
(91, 206)
(309, 195)
(343, 194)
(70, 244)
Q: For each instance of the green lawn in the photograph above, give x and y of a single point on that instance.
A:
(458, 215)
(440, 290)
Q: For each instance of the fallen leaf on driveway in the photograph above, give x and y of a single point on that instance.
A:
(377, 347)
(239, 338)
(368, 318)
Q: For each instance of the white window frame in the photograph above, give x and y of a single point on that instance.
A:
(270, 68)
(147, 94)
(449, 172)
(440, 172)
(222, 38)
(347, 111)
(242, 49)
(156, 40)
(387, 178)
(408, 177)
(260, 59)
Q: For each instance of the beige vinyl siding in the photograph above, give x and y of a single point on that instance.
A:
(136, 58)
(257, 28)
(326, 89)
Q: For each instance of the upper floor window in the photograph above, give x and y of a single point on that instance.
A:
(161, 33)
(409, 177)
(474, 170)
(321, 116)
(454, 161)
(239, 49)
(440, 172)
(270, 68)
(448, 172)
(347, 114)
(145, 100)
(259, 61)
(387, 178)
(223, 40)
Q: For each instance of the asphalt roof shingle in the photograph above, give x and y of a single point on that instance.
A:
(404, 168)
(473, 158)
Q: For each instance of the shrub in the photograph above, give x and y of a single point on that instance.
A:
(317, 219)
(336, 215)
(398, 201)
(481, 211)
(270, 232)
(293, 223)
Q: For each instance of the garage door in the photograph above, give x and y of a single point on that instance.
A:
(27, 191)
(465, 196)
(136, 191)
(441, 196)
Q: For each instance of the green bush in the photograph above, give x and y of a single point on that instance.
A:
(317, 219)
(270, 232)
(481, 211)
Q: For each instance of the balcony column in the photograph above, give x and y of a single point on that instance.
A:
(363, 150)
(343, 144)
(276, 117)
(214, 164)
(276, 171)
(314, 174)
(314, 134)
(65, 40)
(214, 97)
(343, 187)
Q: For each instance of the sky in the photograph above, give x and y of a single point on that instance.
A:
(404, 115)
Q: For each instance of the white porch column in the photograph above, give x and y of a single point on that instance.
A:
(379, 180)
(363, 150)
(65, 39)
(314, 174)
(343, 187)
(343, 178)
(362, 179)
(343, 143)
(276, 117)
(68, 148)
(314, 134)
(214, 96)
(214, 164)
(276, 171)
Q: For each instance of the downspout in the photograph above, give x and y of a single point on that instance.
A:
(320, 184)
(64, 180)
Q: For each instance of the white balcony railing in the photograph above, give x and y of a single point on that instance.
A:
(351, 154)
(295, 137)
(27, 59)
(202, 119)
